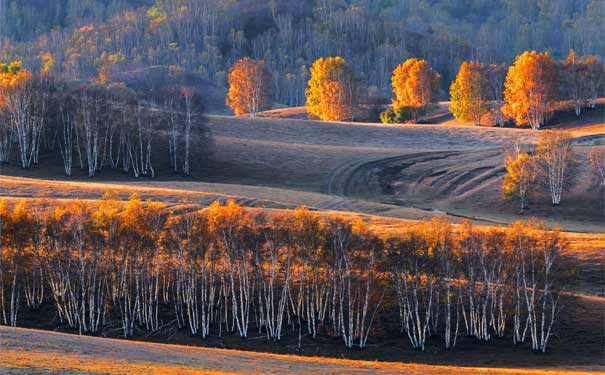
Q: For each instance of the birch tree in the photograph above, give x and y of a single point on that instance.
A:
(597, 161)
(530, 89)
(555, 155)
(409, 260)
(519, 178)
(18, 101)
(249, 87)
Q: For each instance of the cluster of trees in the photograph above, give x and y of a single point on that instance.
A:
(529, 93)
(207, 37)
(223, 270)
(549, 161)
(95, 125)
(551, 164)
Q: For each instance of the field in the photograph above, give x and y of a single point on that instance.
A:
(37, 352)
(388, 175)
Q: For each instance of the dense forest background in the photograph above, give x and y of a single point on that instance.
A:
(105, 38)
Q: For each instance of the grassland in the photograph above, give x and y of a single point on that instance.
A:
(387, 175)
(36, 352)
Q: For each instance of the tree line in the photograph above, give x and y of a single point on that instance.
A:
(529, 93)
(96, 125)
(207, 37)
(526, 93)
(223, 270)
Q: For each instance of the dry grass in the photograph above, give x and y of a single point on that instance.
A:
(29, 351)
(272, 164)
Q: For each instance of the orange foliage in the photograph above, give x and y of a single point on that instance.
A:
(530, 89)
(415, 84)
(469, 92)
(520, 175)
(332, 91)
(108, 63)
(13, 77)
(249, 87)
(48, 63)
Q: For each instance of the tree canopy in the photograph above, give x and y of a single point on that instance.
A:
(249, 87)
(531, 89)
(469, 92)
(332, 90)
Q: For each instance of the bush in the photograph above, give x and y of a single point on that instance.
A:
(388, 117)
(401, 116)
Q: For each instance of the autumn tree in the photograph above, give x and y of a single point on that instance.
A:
(22, 108)
(597, 161)
(520, 175)
(136, 266)
(415, 85)
(332, 90)
(469, 92)
(110, 62)
(249, 87)
(530, 89)
(555, 157)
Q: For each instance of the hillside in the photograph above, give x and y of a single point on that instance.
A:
(206, 37)
(383, 174)
(28, 351)
(405, 171)
(302, 187)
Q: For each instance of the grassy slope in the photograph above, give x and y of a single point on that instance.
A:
(29, 351)
(273, 164)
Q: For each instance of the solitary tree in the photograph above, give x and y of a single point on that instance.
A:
(530, 89)
(249, 87)
(469, 92)
(332, 90)
(415, 85)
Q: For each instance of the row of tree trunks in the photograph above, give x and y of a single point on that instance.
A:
(223, 270)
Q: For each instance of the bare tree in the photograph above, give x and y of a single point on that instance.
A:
(66, 146)
(414, 284)
(555, 154)
(6, 138)
(597, 160)
(188, 98)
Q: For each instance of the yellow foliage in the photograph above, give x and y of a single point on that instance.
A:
(530, 89)
(469, 92)
(13, 78)
(48, 63)
(520, 174)
(332, 91)
(415, 84)
(249, 87)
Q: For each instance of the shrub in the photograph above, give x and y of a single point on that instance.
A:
(403, 115)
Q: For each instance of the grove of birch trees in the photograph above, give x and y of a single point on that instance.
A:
(94, 126)
(137, 267)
